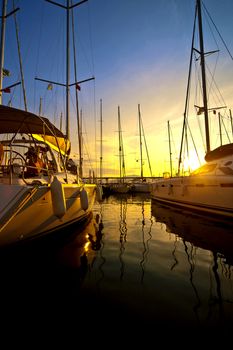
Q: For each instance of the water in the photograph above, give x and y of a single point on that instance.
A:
(136, 271)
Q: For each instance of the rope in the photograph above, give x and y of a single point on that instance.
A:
(16, 210)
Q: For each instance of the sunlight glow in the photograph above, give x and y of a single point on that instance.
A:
(192, 162)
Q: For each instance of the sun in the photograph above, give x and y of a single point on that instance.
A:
(192, 162)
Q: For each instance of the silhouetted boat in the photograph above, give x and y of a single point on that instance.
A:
(39, 193)
(209, 188)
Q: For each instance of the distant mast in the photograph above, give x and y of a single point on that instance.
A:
(140, 136)
(101, 142)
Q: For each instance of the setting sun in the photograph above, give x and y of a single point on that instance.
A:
(192, 162)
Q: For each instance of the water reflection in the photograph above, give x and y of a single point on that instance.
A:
(132, 207)
(145, 242)
(204, 232)
(51, 268)
(123, 232)
(97, 244)
(200, 232)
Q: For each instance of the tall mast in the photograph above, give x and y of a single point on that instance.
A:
(20, 61)
(120, 146)
(4, 6)
(77, 104)
(202, 56)
(101, 142)
(170, 152)
(140, 139)
(68, 7)
(67, 68)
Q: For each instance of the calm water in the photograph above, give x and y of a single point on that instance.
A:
(136, 270)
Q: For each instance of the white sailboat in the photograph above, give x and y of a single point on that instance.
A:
(208, 189)
(39, 195)
(141, 184)
(121, 186)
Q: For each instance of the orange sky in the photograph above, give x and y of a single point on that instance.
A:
(138, 52)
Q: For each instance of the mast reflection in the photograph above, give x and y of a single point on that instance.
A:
(211, 234)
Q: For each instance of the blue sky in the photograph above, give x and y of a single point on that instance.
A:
(138, 52)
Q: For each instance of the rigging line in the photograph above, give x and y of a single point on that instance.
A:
(227, 135)
(20, 58)
(85, 56)
(224, 43)
(197, 97)
(173, 142)
(147, 153)
(90, 38)
(194, 145)
(85, 143)
(95, 123)
(39, 40)
(41, 25)
(76, 97)
(213, 82)
(187, 91)
(210, 28)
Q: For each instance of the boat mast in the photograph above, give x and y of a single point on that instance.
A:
(101, 142)
(3, 28)
(67, 85)
(121, 149)
(67, 68)
(20, 60)
(77, 104)
(140, 136)
(202, 57)
(119, 138)
(170, 152)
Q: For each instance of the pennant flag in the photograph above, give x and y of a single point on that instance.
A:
(50, 87)
(6, 72)
(200, 110)
(78, 87)
(7, 90)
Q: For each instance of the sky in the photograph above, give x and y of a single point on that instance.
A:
(138, 52)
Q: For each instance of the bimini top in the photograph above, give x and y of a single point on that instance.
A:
(220, 152)
(13, 120)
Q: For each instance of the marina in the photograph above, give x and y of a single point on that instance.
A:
(108, 238)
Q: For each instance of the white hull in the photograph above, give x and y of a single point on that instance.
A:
(28, 211)
(212, 194)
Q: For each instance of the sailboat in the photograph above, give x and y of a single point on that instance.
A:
(121, 186)
(39, 194)
(141, 185)
(208, 189)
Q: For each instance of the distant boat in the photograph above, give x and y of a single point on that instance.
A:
(39, 194)
(208, 189)
(121, 186)
(141, 184)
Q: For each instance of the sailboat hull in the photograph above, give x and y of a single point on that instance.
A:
(30, 212)
(211, 194)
